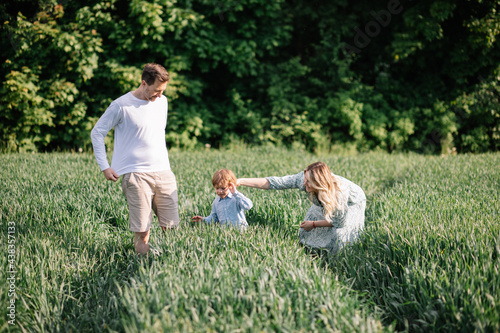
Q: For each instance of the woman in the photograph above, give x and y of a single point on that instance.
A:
(337, 213)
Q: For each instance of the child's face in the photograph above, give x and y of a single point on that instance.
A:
(222, 191)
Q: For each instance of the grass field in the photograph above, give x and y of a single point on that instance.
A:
(429, 258)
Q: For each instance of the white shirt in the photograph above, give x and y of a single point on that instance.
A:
(139, 135)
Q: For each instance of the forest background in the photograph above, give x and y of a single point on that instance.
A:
(367, 74)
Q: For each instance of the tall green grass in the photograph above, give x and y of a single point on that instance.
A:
(428, 259)
(431, 254)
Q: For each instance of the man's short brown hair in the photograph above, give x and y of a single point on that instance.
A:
(152, 71)
(222, 178)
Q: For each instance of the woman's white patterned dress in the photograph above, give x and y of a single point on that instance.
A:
(346, 224)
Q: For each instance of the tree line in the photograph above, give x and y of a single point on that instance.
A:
(396, 75)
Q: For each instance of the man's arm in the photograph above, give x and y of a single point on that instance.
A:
(108, 120)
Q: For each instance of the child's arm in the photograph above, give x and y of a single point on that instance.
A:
(241, 199)
(212, 218)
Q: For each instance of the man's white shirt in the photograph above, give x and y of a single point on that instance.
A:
(139, 141)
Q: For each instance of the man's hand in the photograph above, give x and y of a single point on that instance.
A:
(110, 174)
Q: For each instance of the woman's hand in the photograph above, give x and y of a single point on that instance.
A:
(307, 225)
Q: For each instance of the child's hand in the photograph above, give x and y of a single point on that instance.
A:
(197, 218)
(232, 187)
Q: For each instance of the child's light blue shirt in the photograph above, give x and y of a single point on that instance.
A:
(230, 210)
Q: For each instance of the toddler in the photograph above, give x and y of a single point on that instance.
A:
(229, 206)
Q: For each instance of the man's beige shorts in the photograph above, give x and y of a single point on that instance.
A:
(146, 191)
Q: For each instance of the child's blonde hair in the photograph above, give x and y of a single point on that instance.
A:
(223, 177)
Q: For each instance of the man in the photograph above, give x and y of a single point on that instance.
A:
(140, 154)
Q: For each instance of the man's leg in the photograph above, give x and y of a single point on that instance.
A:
(141, 240)
(137, 189)
(165, 200)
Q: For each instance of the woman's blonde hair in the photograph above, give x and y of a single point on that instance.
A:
(326, 187)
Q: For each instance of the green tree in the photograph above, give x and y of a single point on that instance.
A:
(395, 75)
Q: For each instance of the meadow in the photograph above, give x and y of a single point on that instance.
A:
(428, 260)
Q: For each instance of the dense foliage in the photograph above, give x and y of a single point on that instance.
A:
(395, 75)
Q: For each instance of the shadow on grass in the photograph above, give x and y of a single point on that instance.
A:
(108, 216)
(95, 302)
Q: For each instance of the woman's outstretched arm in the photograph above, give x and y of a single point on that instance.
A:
(261, 183)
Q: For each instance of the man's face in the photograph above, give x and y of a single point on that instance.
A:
(154, 91)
